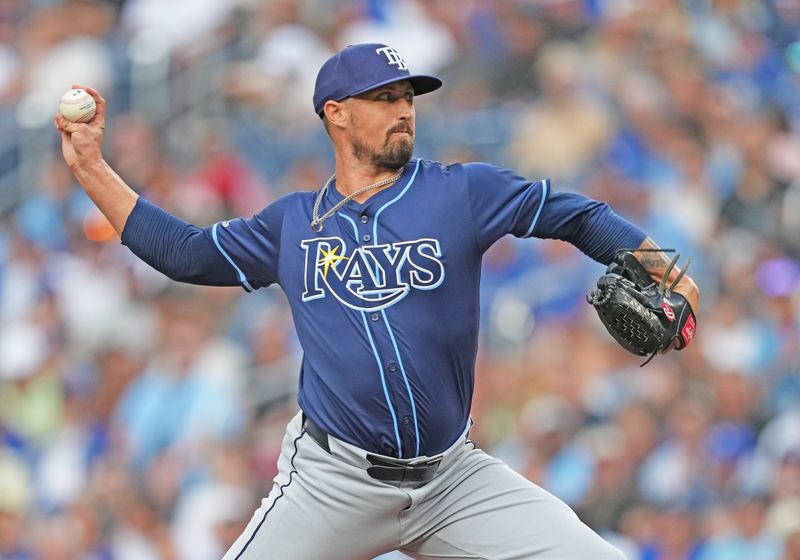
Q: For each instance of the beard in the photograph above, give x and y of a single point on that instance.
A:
(390, 156)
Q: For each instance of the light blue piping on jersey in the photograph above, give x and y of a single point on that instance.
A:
(383, 311)
(395, 199)
(545, 192)
(378, 359)
(242, 277)
(383, 382)
(403, 370)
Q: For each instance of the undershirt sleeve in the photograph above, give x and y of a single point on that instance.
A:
(179, 250)
(590, 225)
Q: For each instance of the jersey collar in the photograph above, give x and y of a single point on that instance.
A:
(333, 196)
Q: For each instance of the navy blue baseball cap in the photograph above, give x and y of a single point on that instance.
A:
(359, 68)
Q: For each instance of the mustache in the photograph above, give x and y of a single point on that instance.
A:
(401, 128)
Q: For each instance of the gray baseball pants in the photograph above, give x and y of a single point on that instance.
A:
(324, 506)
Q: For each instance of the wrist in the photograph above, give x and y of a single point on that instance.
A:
(88, 165)
(689, 290)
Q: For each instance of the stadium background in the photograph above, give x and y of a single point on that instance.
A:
(141, 420)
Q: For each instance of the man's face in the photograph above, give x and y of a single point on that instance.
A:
(382, 125)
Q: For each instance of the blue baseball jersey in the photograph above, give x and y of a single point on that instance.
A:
(385, 297)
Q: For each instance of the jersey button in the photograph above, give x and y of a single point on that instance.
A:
(366, 237)
(364, 218)
(393, 367)
(374, 316)
(406, 420)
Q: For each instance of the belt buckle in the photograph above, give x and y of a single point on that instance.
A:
(426, 469)
(402, 470)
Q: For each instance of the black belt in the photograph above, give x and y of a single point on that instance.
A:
(317, 434)
(402, 470)
(382, 468)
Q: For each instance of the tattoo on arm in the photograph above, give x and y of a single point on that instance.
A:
(655, 262)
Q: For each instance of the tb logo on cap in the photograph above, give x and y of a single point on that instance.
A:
(393, 57)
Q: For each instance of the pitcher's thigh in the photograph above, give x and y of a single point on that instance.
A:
(316, 510)
(494, 513)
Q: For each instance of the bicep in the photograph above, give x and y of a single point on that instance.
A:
(503, 202)
(251, 246)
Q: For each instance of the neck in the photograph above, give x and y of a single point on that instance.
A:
(350, 178)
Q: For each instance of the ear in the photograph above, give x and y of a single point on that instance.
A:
(335, 113)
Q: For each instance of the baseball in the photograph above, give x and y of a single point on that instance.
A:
(77, 106)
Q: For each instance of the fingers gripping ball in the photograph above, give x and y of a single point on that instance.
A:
(77, 106)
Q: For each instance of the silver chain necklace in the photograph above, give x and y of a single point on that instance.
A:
(316, 222)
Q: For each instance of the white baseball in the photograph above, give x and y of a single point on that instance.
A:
(77, 106)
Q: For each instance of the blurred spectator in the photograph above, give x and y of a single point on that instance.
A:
(410, 26)
(62, 44)
(675, 474)
(563, 131)
(189, 393)
(16, 501)
(181, 23)
(209, 516)
(31, 393)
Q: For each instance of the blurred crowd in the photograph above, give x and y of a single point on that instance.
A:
(141, 419)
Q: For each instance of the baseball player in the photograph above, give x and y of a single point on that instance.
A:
(381, 267)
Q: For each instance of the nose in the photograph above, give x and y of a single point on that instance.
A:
(405, 109)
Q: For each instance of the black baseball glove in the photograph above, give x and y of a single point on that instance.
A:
(643, 316)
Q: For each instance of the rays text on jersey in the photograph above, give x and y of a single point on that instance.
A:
(371, 277)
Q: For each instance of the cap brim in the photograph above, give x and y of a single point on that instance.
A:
(420, 82)
(424, 84)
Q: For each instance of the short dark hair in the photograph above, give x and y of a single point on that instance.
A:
(326, 124)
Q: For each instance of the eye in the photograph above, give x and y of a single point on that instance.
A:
(409, 96)
(385, 96)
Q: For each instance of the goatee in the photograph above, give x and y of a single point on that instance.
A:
(391, 157)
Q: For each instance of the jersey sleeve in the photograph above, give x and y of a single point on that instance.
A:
(503, 202)
(251, 246)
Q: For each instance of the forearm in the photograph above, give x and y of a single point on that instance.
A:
(591, 226)
(657, 263)
(81, 146)
(108, 191)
